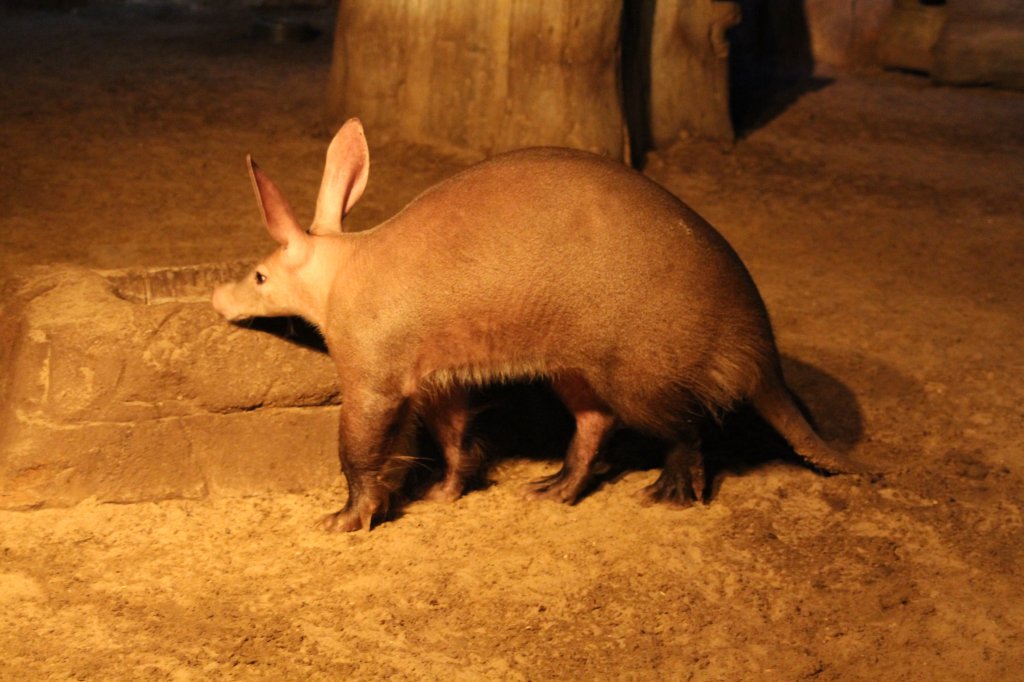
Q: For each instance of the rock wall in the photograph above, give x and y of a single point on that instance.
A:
(982, 43)
(125, 386)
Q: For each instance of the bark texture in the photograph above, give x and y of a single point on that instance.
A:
(489, 76)
(690, 69)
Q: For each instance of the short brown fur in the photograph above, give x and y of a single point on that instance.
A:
(541, 263)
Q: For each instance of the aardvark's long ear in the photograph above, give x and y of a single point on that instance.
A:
(277, 214)
(345, 175)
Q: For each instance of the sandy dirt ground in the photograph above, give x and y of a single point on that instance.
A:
(883, 221)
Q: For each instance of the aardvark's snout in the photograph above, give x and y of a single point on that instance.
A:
(222, 301)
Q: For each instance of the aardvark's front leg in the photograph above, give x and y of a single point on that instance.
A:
(373, 434)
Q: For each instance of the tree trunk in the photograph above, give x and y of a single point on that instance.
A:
(909, 35)
(486, 75)
(690, 69)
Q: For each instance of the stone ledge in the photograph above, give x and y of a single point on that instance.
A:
(126, 386)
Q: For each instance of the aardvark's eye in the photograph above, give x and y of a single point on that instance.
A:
(260, 278)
